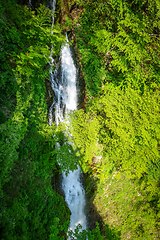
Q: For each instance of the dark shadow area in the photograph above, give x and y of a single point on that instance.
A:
(28, 199)
(91, 211)
(34, 3)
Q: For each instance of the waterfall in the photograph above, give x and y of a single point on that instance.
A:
(65, 100)
(53, 81)
(53, 7)
(74, 192)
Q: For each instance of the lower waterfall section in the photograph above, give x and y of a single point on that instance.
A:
(65, 101)
(75, 198)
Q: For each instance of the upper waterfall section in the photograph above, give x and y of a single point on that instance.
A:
(69, 78)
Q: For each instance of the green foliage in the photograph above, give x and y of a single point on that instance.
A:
(66, 157)
(153, 169)
(127, 209)
(2, 117)
(117, 139)
(68, 22)
(127, 139)
(118, 42)
(84, 132)
(30, 208)
(79, 234)
(130, 128)
(118, 45)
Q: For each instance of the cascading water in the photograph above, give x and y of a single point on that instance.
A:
(52, 75)
(74, 192)
(65, 100)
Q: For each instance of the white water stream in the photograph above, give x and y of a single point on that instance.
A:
(65, 100)
(74, 192)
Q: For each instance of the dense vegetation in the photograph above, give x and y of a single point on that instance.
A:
(118, 45)
(117, 134)
(30, 208)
